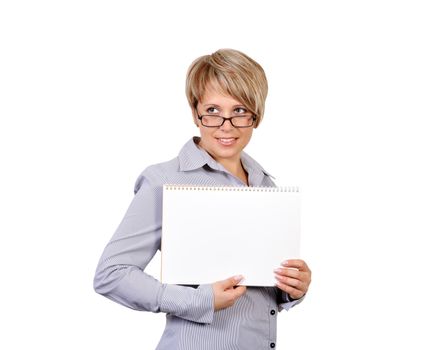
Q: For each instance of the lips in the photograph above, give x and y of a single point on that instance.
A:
(226, 141)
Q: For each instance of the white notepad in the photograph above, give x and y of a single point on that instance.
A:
(212, 233)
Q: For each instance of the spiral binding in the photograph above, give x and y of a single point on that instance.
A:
(189, 187)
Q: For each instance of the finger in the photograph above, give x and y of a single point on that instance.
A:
(293, 292)
(290, 272)
(231, 282)
(292, 282)
(238, 291)
(296, 263)
(295, 274)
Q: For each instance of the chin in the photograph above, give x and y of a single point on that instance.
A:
(226, 153)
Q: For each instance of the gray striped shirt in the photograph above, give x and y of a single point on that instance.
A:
(192, 322)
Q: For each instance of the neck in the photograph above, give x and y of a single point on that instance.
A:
(232, 165)
(235, 168)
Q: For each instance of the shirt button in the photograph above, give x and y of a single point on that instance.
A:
(272, 313)
(272, 345)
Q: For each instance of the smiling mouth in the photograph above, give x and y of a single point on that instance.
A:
(226, 141)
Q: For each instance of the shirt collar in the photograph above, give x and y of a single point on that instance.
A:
(252, 166)
(192, 157)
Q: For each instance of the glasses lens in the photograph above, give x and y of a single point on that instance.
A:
(242, 122)
(212, 120)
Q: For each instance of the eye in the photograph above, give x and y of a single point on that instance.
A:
(240, 110)
(212, 110)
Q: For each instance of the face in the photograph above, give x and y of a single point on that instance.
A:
(226, 142)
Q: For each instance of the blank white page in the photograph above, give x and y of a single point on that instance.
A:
(212, 233)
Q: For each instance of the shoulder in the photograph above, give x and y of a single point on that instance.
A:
(157, 175)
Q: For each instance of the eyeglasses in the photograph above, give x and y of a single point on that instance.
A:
(216, 121)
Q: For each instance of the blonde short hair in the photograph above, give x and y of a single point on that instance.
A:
(234, 73)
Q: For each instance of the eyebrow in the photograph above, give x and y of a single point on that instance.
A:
(218, 106)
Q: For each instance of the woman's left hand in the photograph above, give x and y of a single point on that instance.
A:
(293, 278)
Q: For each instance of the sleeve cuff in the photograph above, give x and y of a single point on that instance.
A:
(287, 302)
(189, 303)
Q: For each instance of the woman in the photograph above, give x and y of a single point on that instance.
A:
(226, 92)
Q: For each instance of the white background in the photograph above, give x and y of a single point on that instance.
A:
(91, 92)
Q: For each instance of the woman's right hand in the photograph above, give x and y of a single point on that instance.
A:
(226, 292)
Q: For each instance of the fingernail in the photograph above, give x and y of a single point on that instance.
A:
(238, 278)
(285, 263)
(278, 270)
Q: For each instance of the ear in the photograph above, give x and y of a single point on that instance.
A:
(195, 117)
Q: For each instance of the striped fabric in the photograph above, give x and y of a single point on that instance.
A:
(192, 323)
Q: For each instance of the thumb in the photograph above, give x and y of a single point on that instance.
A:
(238, 291)
(231, 282)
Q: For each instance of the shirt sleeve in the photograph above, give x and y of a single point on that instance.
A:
(120, 272)
(285, 302)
